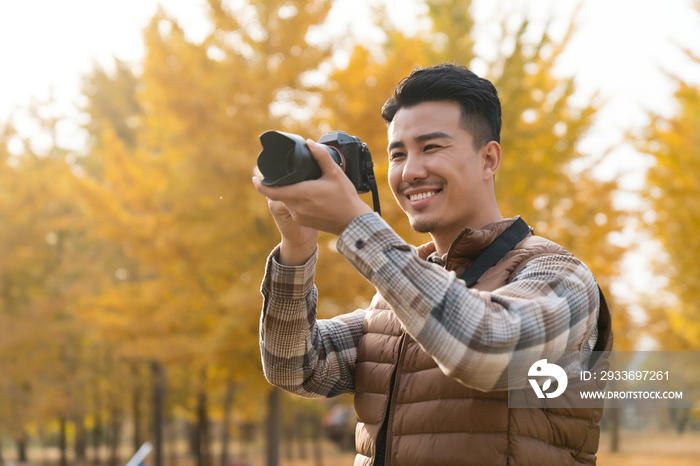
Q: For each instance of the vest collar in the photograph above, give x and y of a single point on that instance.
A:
(468, 245)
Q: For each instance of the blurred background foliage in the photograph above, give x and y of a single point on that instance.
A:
(129, 276)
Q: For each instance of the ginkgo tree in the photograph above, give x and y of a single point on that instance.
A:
(45, 351)
(167, 184)
(674, 216)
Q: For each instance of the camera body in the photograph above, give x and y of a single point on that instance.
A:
(358, 160)
(286, 159)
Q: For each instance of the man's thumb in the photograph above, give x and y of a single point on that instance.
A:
(322, 156)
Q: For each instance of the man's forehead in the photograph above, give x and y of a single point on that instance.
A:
(428, 118)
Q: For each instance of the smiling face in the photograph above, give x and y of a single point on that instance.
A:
(437, 177)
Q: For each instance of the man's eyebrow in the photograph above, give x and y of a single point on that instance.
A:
(420, 138)
(394, 145)
(435, 135)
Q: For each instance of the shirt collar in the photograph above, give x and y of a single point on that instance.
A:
(435, 259)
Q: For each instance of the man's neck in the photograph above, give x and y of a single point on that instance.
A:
(443, 240)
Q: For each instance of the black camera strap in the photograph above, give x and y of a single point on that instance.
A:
(375, 194)
(505, 242)
(369, 169)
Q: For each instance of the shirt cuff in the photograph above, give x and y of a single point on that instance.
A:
(364, 241)
(289, 282)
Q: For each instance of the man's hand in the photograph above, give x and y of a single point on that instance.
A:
(298, 242)
(327, 204)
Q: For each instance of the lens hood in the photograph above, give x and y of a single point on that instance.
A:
(285, 159)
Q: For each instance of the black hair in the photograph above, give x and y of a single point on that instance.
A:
(477, 98)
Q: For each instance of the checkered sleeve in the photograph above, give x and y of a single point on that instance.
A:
(551, 305)
(308, 357)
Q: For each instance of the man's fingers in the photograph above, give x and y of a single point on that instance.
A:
(264, 190)
(277, 207)
(324, 159)
(276, 193)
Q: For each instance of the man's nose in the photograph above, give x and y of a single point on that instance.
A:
(413, 169)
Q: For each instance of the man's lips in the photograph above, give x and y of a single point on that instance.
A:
(423, 187)
(420, 194)
(419, 198)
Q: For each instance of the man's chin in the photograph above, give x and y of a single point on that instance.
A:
(425, 226)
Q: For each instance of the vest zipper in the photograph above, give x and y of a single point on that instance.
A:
(392, 399)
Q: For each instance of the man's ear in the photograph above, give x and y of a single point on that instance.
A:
(491, 155)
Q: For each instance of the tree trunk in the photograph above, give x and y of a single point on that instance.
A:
(273, 427)
(316, 432)
(247, 436)
(115, 438)
(158, 401)
(97, 440)
(62, 441)
(288, 435)
(226, 423)
(136, 408)
(680, 417)
(2, 460)
(202, 430)
(615, 414)
(80, 446)
(172, 440)
(193, 439)
(301, 424)
(22, 448)
(42, 447)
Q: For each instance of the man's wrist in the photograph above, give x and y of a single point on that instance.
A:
(293, 255)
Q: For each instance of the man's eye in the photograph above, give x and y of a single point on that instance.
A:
(431, 147)
(396, 155)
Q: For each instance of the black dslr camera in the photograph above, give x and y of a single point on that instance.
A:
(286, 159)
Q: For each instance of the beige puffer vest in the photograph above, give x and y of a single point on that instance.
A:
(435, 420)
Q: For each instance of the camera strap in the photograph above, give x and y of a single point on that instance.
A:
(375, 194)
(369, 169)
(505, 242)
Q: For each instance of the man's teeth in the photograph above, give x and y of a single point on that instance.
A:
(419, 196)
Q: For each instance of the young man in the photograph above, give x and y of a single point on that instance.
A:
(428, 360)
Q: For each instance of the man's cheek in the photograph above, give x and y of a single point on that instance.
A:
(393, 182)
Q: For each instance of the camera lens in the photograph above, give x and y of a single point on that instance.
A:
(288, 163)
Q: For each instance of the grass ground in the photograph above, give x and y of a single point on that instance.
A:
(636, 449)
(652, 449)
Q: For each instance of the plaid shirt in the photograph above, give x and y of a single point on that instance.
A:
(551, 305)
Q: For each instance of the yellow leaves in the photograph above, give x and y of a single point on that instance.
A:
(452, 25)
(539, 138)
(672, 197)
(169, 202)
(157, 252)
